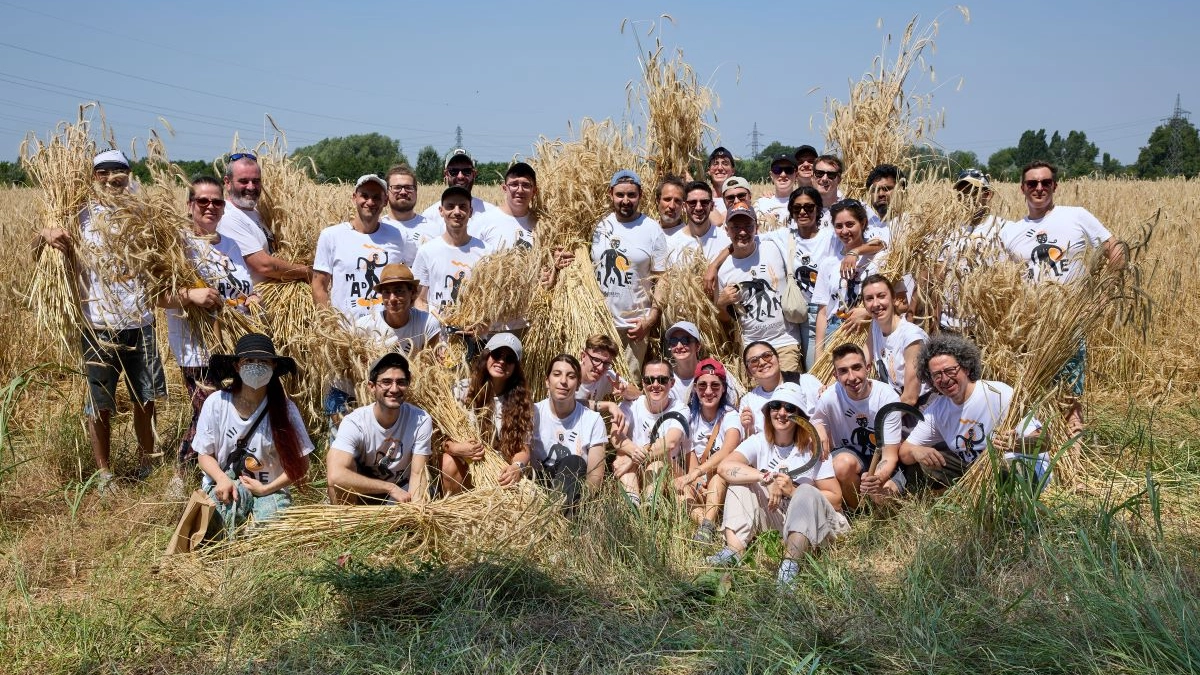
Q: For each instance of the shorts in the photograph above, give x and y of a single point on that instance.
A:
(196, 379)
(337, 405)
(1073, 371)
(897, 476)
(108, 353)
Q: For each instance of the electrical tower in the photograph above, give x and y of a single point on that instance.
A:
(754, 138)
(1176, 122)
(458, 136)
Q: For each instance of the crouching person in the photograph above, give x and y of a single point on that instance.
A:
(568, 439)
(250, 441)
(805, 505)
(381, 450)
(655, 433)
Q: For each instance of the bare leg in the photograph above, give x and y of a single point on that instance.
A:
(100, 435)
(714, 498)
(848, 469)
(455, 475)
(797, 546)
(143, 427)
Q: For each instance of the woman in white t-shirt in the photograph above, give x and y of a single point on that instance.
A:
(895, 343)
(837, 296)
(804, 504)
(250, 440)
(568, 438)
(716, 430)
(503, 412)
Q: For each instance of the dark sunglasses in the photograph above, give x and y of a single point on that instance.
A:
(821, 173)
(205, 202)
(803, 208)
(1034, 184)
(242, 155)
(656, 379)
(680, 340)
(698, 202)
(460, 171)
(783, 170)
(970, 173)
(705, 386)
(773, 406)
(504, 356)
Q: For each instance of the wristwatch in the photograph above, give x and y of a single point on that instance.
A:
(522, 467)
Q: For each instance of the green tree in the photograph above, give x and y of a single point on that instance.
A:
(1109, 166)
(1155, 160)
(490, 173)
(962, 159)
(1002, 165)
(1032, 146)
(348, 157)
(773, 150)
(429, 168)
(1074, 155)
(11, 173)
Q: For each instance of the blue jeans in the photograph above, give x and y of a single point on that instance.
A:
(337, 405)
(247, 507)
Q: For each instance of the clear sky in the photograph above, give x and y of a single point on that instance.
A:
(508, 72)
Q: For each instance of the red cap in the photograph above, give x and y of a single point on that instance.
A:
(711, 367)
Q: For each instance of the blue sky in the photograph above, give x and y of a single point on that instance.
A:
(507, 72)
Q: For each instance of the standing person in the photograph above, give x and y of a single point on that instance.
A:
(629, 252)
(503, 413)
(243, 224)
(668, 196)
(459, 172)
(1053, 242)
(396, 324)
(226, 282)
(119, 333)
(568, 439)
(721, 166)
(401, 213)
(512, 223)
(762, 362)
(806, 508)
(827, 178)
(716, 431)
(895, 343)
(443, 263)
(751, 284)
(881, 184)
(975, 244)
(806, 161)
(382, 450)
(250, 439)
(838, 295)
(639, 455)
(783, 179)
(847, 411)
(698, 229)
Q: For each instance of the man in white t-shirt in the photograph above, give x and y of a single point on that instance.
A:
(243, 224)
(848, 410)
(460, 172)
(881, 186)
(827, 177)
(721, 165)
(629, 252)
(698, 230)
(396, 324)
(381, 450)
(511, 224)
(657, 432)
(750, 289)
(668, 196)
(443, 263)
(401, 213)
(783, 180)
(806, 161)
(1054, 242)
(961, 422)
(975, 245)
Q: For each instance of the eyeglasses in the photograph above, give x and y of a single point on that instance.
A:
(656, 379)
(402, 188)
(105, 173)
(681, 340)
(765, 357)
(774, 406)
(821, 173)
(947, 373)
(706, 386)
(803, 208)
(783, 170)
(598, 363)
(242, 155)
(205, 202)
(520, 185)
(695, 203)
(846, 204)
(504, 356)
(400, 382)
(970, 173)
(460, 170)
(1035, 184)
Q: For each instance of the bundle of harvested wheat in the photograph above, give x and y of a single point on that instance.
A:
(290, 315)
(498, 289)
(675, 109)
(684, 299)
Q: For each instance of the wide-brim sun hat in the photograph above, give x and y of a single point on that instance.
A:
(250, 346)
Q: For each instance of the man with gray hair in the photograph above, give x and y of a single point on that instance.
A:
(244, 225)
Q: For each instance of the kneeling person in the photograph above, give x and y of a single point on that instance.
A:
(381, 450)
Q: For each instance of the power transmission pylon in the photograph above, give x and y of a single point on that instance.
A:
(754, 140)
(458, 136)
(1174, 164)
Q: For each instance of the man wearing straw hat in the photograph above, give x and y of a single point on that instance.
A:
(460, 172)
(119, 333)
(243, 187)
(396, 323)
(381, 450)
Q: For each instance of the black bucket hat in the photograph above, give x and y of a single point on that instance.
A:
(249, 346)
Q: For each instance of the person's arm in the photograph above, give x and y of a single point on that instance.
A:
(730, 439)
(321, 283)
(56, 238)
(710, 273)
(911, 453)
(512, 473)
(832, 490)
(260, 489)
(341, 473)
(736, 470)
(665, 446)
(264, 264)
(422, 301)
(819, 338)
(1114, 253)
(643, 326)
(204, 298)
(853, 255)
(226, 489)
(912, 383)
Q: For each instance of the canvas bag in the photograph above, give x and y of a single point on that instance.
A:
(795, 305)
(193, 524)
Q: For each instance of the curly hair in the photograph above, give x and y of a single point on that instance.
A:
(516, 407)
(948, 344)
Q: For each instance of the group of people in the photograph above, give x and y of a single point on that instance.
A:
(791, 453)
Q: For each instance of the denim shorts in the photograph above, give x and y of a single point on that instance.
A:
(133, 351)
(1073, 371)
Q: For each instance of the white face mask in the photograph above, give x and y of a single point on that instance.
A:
(255, 375)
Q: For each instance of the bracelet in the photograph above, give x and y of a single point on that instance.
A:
(856, 254)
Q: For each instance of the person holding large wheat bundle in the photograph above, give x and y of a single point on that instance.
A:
(444, 262)
(244, 225)
(459, 172)
(396, 324)
(974, 245)
(119, 335)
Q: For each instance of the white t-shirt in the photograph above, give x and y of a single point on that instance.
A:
(219, 427)
(417, 230)
(808, 254)
(442, 267)
(641, 422)
(970, 248)
(711, 242)
(499, 230)
(246, 228)
(354, 260)
(221, 267)
(851, 424)
(766, 457)
(555, 438)
(702, 430)
(775, 207)
(600, 390)
(1054, 247)
(114, 299)
(760, 277)
(757, 397)
(828, 291)
(966, 428)
(385, 454)
(888, 352)
(407, 339)
(478, 208)
(625, 255)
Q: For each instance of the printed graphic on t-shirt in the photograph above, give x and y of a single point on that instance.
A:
(806, 273)
(968, 445)
(363, 292)
(385, 456)
(758, 298)
(862, 436)
(561, 448)
(1047, 254)
(615, 267)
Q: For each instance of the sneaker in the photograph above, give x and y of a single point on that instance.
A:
(143, 472)
(788, 569)
(706, 533)
(105, 484)
(725, 556)
(635, 500)
(176, 490)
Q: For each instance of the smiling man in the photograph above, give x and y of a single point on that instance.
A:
(641, 452)
(721, 166)
(827, 178)
(395, 323)
(459, 172)
(243, 224)
(443, 263)
(783, 179)
(401, 214)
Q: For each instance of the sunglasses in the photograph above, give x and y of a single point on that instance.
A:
(970, 173)
(706, 386)
(736, 197)
(505, 357)
(698, 202)
(242, 155)
(783, 170)
(460, 171)
(1035, 184)
(680, 340)
(803, 208)
(765, 357)
(774, 406)
(656, 379)
(821, 173)
(205, 202)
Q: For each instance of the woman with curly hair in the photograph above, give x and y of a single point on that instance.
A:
(503, 412)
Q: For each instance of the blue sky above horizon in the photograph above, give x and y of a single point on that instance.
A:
(508, 73)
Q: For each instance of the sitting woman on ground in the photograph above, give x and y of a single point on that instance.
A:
(837, 296)
(568, 439)
(762, 362)
(654, 433)
(250, 441)
(895, 344)
(716, 430)
(804, 505)
(503, 412)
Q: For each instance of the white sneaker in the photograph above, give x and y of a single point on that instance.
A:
(726, 556)
(788, 569)
(176, 490)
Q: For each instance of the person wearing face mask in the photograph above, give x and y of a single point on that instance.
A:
(250, 439)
